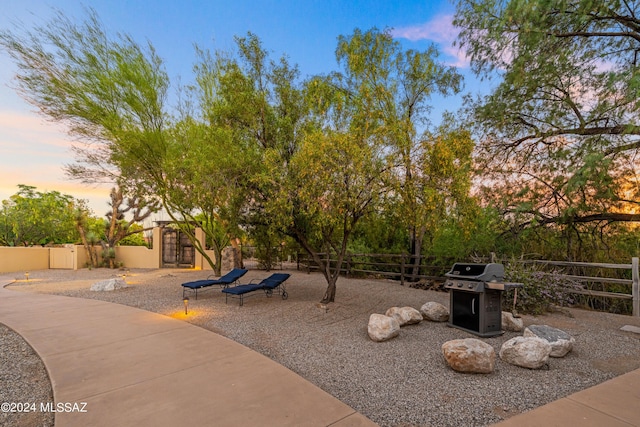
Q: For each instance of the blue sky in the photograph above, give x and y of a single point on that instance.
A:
(34, 150)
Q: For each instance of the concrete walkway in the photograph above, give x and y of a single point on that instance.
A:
(136, 368)
(613, 403)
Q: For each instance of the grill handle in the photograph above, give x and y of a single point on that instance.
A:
(473, 306)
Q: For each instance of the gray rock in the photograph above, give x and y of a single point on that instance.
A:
(469, 355)
(527, 352)
(510, 323)
(382, 328)
(405, 315)
(108, 285)
(631, 328)
(561, 342)
(435, 312)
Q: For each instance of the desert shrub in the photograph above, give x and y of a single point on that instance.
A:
(541, 290)
(109, 257)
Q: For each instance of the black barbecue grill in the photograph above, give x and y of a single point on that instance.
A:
(475, 294)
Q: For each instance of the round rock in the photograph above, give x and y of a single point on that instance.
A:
(510, 323)
(561, 342)
(108, 285)
(435, 312)
(469, 355)
(382, 328)
(405, 315)
(527, 352)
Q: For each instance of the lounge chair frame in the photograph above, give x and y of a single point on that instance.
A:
(270, 285)
(224, 281)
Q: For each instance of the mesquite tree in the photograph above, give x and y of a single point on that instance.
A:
(560, 134)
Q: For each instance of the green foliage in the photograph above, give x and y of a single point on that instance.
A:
(380, 233)
(472, 234)
(31, 217)
(135, 238)
(247, 128)
(268, 245)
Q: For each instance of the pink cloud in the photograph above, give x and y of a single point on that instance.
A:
(439, 30)
(19, 127)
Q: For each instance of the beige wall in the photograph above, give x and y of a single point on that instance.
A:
(23, 259)
(82, 258)
(75, 256)
(200, 261)
(205, 264)
(137, 257)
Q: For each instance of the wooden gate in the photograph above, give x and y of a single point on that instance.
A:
(177, 249)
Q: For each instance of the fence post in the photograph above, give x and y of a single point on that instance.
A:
(635, 274)
(402, 270)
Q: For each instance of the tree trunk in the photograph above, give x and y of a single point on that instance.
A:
(325, 265)
(217, 266)
(331, 278)
(330, 293)
(418, 239)
(87, 247)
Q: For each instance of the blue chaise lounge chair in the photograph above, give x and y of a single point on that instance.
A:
(271, 284)
(223, 281)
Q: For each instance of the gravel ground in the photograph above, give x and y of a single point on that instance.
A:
(23, 378)
(403, 382)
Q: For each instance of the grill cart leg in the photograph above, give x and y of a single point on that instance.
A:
(515, 299)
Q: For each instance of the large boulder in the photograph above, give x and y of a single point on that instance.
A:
(108, 285)
(510, 323)
(382, 328)
(405, 315)
(527, 352)
(435, 312)
(469, 355)
(561, 342)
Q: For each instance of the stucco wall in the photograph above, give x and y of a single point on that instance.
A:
(137, 257)
(200, 261)
(81, 256)
(75, 256)
(23, 259)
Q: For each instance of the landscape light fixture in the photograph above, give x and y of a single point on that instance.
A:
(186, 305)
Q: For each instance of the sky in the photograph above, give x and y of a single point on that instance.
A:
(33, 150)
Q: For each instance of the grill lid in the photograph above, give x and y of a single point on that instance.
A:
(491, 272)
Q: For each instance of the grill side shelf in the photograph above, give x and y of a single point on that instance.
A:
(502, 286)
